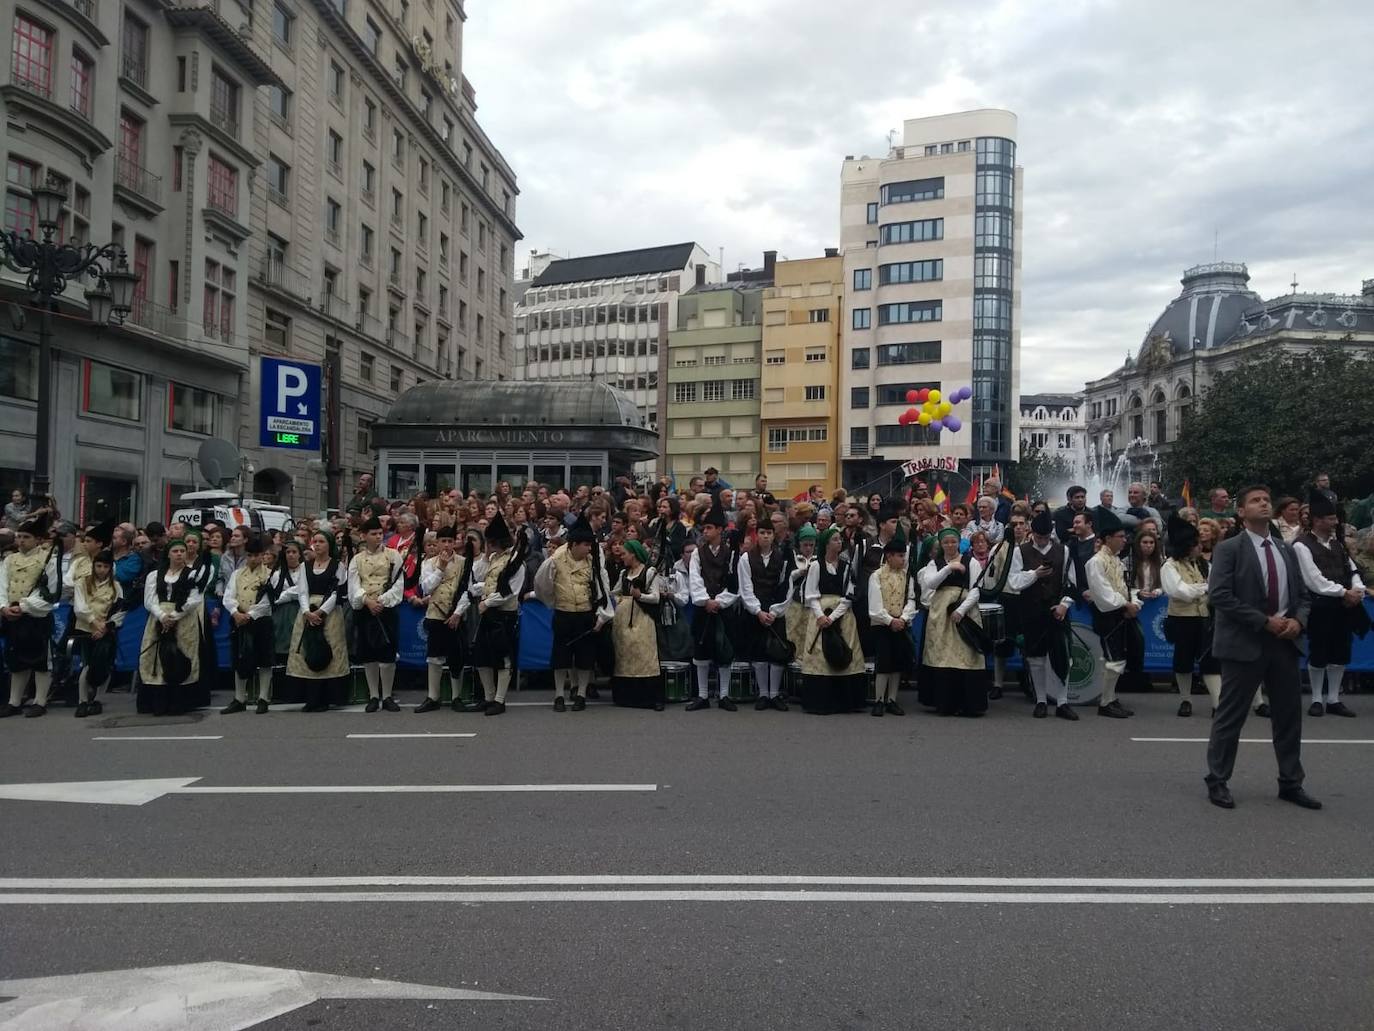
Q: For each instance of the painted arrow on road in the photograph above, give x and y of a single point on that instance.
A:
(141, 792)
(207, 996)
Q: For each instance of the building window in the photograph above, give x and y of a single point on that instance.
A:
(858, 440)
(276, 331)
(372, 37)
(1065, 441)
(217, 319)
(365, 366)
(396, 374)
(107, 390)
(223, 186)
(191, 409)
(21, 214)
(32, 65)
(279, 104)
(713, 390)
(398, 147)
(684, 393)
(143, 267)
(334, 149)
(909, 354)
(333, 218)
(18, 369)
(910, 311)
(911, 272)
(914, 190)
(895, 393)
(365, 243)
(743, 389)
(872, 213)
(282, 25)
(278, 178)
(858, 397)
(224, 103)
(863, 279)
(862, 318)
(858, 358)
(130, 147)
(369, 183)
(369, 118)
(913, 232)
(134, 64)
(713, 359)
(173, 285)
(815, 393)
(777, 438)
(83, 77)
(775, 358)
(818, 315)
(337, 76)
(815, 354)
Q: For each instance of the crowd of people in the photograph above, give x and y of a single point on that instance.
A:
(832, 600)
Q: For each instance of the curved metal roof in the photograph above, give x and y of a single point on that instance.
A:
(1208, 310)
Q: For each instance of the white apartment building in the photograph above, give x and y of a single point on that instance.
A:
(606, 317)
(931, 240)
(298, 178)
(1055, 425)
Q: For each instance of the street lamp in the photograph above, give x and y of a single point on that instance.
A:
(49, 264)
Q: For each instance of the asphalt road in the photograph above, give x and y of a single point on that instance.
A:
(785, 871)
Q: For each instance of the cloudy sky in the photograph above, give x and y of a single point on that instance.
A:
(1150, 134)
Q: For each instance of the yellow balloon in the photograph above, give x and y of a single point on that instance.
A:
(935, 396)
(945, 408)
(924, 418)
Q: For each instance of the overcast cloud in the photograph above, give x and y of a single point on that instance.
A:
(1145, 129)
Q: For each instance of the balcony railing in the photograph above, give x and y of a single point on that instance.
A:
(133, 176)
(426, 356)
(135, 68)
(856, 451)
(398, 341)
(334, 306)
(371, 326)
(225, 204)
(82, 109)
(157, 318)
(226, 121)
(278, 274)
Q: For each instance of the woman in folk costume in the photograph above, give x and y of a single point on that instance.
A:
(317, 662)
(797, 614)
(498, 577)
(573, 582)
(638, 680)
(285, 607)
(1189, 622)
(170, 658)
(833, 678)
(30, 584)
(204, 566)
(98, 610)
(891, 608)
(953, 672)
(444, 580)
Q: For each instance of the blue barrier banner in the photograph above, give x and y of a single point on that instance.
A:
(130, 639)
(61, 616)
(411, 637)
(219, 634)
(536, 636)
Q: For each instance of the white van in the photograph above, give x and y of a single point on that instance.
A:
(222, 506)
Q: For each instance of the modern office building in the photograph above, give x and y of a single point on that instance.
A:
(800, 376)
(930, 236)
(298, 178)
(606, 317)
(713, 382)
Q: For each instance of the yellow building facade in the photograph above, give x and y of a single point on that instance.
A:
(799, 435)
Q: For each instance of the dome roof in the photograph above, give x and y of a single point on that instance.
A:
(494, 403)
(1208, 310)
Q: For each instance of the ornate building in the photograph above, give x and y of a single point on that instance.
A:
(1214, 324)
(1053, 424)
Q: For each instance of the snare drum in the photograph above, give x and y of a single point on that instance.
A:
(742, 687)
(994, 619)
(677, 681)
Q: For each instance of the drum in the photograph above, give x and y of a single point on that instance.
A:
(468, 686)
(870, 683)
(677, 681)
(793, 680)
(357, 686)
(994, 621)
(742, 686)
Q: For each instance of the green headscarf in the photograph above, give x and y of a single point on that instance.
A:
(638, 551)
(192, 531)
(806, 533)
(823, 538)
(948, 531)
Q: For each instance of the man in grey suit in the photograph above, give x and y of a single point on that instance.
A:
(1261, 607)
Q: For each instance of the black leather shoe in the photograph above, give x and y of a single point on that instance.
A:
(1339, 709)
(494, 709)
(1115, 710)
(658, 706)
(263, 703)
(1220, 795)
(95, 708)
(1316, 709)
(9, 710)
(559, 705)
(1299, 797)
(698, 703)
(1065, 712)
(373, 704)
(428, 705)
(893, 709)
(593, 692)
(994, 693)
(877, 709)
(390, 704)
(727, 704)
(578, 702)
(780, 703)
(1262, 709)
(1040, 711)
(233, 707)
(82, 710)
(34, 711)
(762, 703)
(1185, 708)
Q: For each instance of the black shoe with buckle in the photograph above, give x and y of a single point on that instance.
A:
(428, 705)
(82, 709)
(34, 711)
(1340, 709)
(1115, 710)
(762, 703)
(1065, 712)
(390, 704)
(494, 709)
(877, 710)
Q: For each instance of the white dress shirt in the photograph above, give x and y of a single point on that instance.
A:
(1312, 576)
(1279, 564)
(752, 605)
(1020, 579)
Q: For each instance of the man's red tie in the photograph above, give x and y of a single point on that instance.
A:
(1272, 606)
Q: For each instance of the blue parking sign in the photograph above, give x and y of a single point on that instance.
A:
(290, 405)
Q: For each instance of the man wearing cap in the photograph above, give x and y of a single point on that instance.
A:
(573, 582)
(497, 579)
(444, 580)
(29, 587)
(251, 643)
(764, 578)
(1038, 570)
(714, 581)
(376, 584)
(1337, 597)
(891, 608)
(1115, 611)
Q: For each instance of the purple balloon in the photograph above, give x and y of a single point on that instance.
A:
(952, 423)
(965, 393)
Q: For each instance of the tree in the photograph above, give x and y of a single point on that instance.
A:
(1280, 420)
(1041, 474)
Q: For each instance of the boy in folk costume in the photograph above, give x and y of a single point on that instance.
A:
(1184, 578)
(251, 639)
(1115, 612)
(573, 582)
(713, 585)
(1337, 604)
(764, 579)
(1039, 567)
(891, 608)
(376, 584)
(444, 580)
(30, 584)
(97, 611)
(498, 577)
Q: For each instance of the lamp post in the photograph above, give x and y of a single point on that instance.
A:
(49, 264)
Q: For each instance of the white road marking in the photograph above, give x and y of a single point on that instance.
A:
(681, 880)
(699, 895)
(141, 792)
(1257, 740)
(422, 734)
(161, 737)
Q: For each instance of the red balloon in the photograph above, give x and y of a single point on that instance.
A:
(904, 419)
(911, 397)
(923, 395)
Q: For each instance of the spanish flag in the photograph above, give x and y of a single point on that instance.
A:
(1187, 494)
(940, 498)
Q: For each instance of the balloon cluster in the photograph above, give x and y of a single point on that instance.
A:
(935, 411)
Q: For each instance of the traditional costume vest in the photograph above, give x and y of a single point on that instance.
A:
(1331, 560)
(892, 583)
(320, 585)
(1048, 591)
(374, 570)
(25, 570)
(715, 568)
(441, 602)
(833, 583)
(1112, 571)
(496, 567)
(80, 566)
(1080, 552)
(1189, 573)
(769, 586)
(572, 582)
(100, 597)
(250, 582)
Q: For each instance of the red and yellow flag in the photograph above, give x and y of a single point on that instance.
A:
(1187, 494)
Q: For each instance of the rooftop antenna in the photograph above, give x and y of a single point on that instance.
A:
(1295, 284)
(891, 140)
(1216, 244)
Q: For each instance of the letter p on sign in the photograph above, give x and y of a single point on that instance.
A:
(290, 383)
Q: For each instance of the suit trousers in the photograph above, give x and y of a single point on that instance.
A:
(1277, 670)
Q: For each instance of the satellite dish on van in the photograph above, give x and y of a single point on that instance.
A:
(219, 462)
